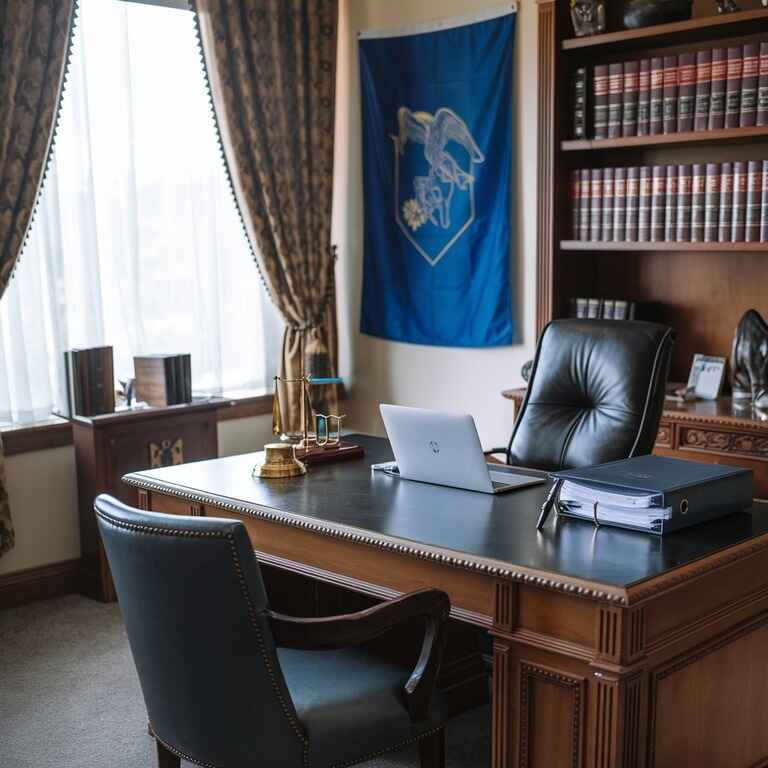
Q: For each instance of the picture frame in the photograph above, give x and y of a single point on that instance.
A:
(706, 376)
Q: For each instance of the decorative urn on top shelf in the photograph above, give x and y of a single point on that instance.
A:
(587, 17)
(646, 13)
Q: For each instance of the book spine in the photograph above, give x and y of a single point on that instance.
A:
(750, 67)
(733, 87)
(608, 309)
(717, 93)
(580, 103)
(644, 98)
(703, 86)
(686, 86)
(600, 100)
(670, 94)
(619, 204)
(711, 202)
(620, 309)
(596, 204)
(615, 87)
(762, 86)
(593, 308)
(656, 119)
(585, 204)
(764, 205)
(670, 213)
(698, 185)
(630, 98)
(754, 188)
(632, 204)
(658, 203)
(575, 204)
(684, 185)
(738, 214)
(726, 203)
(644, 205)
(608, 193)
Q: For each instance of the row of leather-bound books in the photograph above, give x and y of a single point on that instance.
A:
(712, 202)
(694, 91)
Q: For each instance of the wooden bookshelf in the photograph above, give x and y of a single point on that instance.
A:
(718, 136)
(598, 245)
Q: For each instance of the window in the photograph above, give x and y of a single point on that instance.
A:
(136, 242)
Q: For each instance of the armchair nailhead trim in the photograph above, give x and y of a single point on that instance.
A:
(252, 614)
(379, 753)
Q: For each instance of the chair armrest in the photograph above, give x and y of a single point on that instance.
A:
(490, 453)
(433, 605)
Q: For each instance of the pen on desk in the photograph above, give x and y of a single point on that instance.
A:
(547, 505)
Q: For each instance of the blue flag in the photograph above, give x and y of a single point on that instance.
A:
(437, 157)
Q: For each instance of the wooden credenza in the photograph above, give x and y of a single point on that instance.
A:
(111, 445)
(709, 431)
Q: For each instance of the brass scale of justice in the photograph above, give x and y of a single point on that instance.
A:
(291, 456)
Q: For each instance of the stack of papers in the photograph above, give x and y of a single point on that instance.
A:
(642, 511)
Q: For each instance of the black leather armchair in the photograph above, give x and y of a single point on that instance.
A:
(595, 394)
(230, 684)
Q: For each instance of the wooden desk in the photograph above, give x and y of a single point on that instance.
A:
(612, 649)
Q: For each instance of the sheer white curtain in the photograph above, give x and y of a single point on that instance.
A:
(136, 242)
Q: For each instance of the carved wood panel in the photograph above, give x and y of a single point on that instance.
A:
(716, 441)
(664, 435)
(548, 699)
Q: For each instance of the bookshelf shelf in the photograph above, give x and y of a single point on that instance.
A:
(703, 28)
(592, 246)
(731, 135)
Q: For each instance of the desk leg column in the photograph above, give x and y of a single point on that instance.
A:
(504, 700)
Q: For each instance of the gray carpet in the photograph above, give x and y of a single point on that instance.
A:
(69, 696)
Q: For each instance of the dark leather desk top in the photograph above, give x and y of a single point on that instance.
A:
(500, 528)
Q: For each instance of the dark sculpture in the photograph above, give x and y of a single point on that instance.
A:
(525, 371)
(645, 13)
(588, 17)
(729, 6)
(749, 362)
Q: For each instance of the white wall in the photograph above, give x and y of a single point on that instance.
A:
(409, 374)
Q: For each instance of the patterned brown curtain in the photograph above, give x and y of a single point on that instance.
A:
(34, 41)
(271, 67)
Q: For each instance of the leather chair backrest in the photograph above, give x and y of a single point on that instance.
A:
(193, 603)
(596, 394)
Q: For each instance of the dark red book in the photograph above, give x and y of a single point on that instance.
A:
(619, 204)
(684, 182)
(754, 190)
(615, 88)
(585, 195)
(658, 202)
(698, 189)
(656, 120)
(726, 203)
(575, 203)
(764, 205)
(703, 86)
(750, 67)
(607, 233)
(632, 200)
(686, 91)
(600, 101)
(717, 92)
(644, 205)
(596, 204)
(733, 87)
(630, 98)
(670, 206)
(762, 86)
(670, 84)
(644, 98)
(739, 212)
(711, 202)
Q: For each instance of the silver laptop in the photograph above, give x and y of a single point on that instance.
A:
(444, 448)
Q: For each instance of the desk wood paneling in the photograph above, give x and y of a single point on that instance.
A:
(665, 671)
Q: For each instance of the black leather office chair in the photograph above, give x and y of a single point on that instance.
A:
(596, 393)
(230, 684)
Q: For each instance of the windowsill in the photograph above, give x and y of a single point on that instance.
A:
(55, 432)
